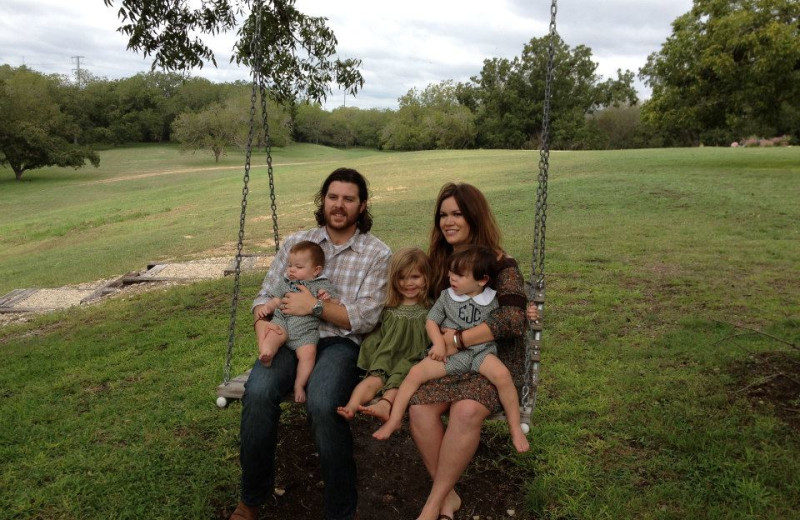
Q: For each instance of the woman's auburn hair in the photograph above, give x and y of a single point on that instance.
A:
(483, 229)
(401, 263)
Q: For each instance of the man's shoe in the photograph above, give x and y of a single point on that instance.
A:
(245, 512)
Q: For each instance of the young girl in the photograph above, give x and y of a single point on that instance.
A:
(400, 340)
(467, 302)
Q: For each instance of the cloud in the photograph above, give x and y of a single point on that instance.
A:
(402, 46)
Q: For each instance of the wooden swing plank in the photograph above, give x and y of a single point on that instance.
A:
(235, 387)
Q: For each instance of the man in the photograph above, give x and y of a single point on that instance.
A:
(356, 262)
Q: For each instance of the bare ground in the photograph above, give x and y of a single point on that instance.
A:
(393, 483)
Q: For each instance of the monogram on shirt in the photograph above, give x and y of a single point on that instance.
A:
(469, 313)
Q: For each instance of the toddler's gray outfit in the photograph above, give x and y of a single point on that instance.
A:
(300, 330)
(459, 312)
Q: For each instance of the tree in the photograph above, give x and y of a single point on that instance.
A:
(214, 128)
(728, 70)
(35, 132)
(295, 52)
(432, 118)
(508, 95)
(222, 125)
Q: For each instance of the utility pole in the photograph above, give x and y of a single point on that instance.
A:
(77, 70)
(78, 76)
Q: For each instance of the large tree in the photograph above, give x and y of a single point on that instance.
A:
(508, 95)
(35, 132)
(295, 52)
(730, 69)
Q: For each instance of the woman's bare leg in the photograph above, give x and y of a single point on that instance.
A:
(456, 448)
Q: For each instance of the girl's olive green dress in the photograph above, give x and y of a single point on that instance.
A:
(395, 345)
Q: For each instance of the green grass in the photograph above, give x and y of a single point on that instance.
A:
(107, 412)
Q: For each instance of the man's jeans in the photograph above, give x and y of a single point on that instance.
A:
(333, 379)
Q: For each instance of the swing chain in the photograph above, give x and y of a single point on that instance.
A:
(257, 80)
(537, 285)
(544, 163)
(270, 172)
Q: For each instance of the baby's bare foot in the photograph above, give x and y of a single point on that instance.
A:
(299, 394)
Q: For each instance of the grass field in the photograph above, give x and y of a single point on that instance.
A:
(646, 408)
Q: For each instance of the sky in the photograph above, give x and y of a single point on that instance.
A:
(402, 45)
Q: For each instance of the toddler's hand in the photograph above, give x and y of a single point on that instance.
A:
(437, 353)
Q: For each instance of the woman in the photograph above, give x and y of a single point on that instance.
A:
(463, 218)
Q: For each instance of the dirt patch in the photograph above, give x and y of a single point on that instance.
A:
(393, 482)
(771, 380)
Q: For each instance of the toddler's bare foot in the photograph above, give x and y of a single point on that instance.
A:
(386, 431)
(379, 409)
(299, 394)
(345, 412)
(520, 441)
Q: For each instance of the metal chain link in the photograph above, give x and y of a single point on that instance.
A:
(268, 144)
(531, 378)
(245, 189)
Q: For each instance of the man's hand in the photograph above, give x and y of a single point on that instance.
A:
(298, 303)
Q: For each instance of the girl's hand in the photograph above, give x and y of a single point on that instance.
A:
(323, 295)
(533, 312)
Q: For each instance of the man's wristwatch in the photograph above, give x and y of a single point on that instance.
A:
(316, 310)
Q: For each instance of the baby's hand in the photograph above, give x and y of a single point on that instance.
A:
(261, 312)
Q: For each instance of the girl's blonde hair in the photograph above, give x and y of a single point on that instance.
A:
(402, 263)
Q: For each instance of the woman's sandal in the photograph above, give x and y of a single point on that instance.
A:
(445, 517)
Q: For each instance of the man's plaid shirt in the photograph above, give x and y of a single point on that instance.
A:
(358, 270)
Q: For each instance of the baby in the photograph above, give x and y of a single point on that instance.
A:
(298, 333)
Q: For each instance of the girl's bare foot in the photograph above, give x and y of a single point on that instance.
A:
(386, 431)
(520, 441)
(345, 412)
(379, 409)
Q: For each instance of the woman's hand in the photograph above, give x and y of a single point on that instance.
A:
(533, 311)
(449, 343)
